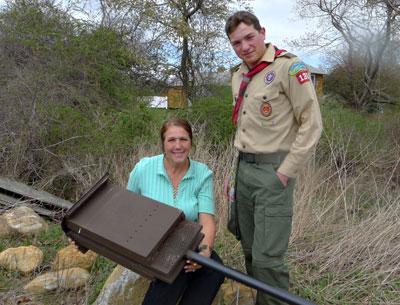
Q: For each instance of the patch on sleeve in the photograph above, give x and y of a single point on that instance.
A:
(302, 77)
(297, 67)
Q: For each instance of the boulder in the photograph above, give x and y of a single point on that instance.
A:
(23, 259)
(25, 221)
(5, 229)
(123, 287)
(236, 293)
(72, 278)
(70, 257)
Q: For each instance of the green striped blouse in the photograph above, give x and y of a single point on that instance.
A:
(195, 192)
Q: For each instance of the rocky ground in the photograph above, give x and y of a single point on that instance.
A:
(69, 271)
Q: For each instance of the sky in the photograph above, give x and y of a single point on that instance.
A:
(283, 24)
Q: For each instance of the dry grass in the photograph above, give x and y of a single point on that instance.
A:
(345, 244)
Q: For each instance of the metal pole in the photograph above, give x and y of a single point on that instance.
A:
(247, 280)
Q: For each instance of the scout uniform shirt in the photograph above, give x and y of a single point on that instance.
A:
(279, 111)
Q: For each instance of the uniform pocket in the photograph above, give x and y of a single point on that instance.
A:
(268, 106)
(267, 95)
(277, 229)
(279, 201)
(274, 221)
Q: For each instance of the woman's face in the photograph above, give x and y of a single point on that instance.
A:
(177, 145)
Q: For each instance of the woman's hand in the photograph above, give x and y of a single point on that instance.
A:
(208, 229)
(204, 250)
(191, 266)
(72, 242)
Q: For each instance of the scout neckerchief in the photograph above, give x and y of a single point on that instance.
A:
(245, 82)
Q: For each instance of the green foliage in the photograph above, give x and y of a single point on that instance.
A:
(113, 130)
(88, 64)
(349, 132)
(213, 114)
(68, 127)
(37, 26)
(100, 271)
(101, 58)
(130, 126)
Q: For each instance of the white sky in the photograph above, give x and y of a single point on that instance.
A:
(283, 24)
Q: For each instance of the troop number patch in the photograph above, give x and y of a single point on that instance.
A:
(302, 77)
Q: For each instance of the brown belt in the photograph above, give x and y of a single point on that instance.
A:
(276, 157)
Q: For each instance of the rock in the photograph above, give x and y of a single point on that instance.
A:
(70, 257)
(25, 221)
(5, 229)
(72, 278)
(123, 287)
(235, 293)
(23, 259)
(13, 299)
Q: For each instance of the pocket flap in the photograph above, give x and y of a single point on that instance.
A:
(278, 210)
(267, 96)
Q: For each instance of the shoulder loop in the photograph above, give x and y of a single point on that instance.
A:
(287, 54)
(235, 68)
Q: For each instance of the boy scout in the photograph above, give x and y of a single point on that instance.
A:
(278, 124)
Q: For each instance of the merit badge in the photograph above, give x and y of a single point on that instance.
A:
(269, 77)
(266, 109)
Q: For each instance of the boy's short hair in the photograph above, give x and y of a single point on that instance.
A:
(237, 18)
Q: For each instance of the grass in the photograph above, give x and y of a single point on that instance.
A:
(345, 244)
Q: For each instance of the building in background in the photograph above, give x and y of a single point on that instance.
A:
(317, 77)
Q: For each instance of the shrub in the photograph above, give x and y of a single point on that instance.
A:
(213, 115)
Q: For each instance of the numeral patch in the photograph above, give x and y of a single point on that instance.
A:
(302, 77)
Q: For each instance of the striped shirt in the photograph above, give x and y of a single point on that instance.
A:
(195, 192)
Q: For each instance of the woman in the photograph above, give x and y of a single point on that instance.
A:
(174, 179)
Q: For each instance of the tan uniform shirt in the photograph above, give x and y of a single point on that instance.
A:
(279, 111)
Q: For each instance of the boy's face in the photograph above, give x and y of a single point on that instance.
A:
(248, 43)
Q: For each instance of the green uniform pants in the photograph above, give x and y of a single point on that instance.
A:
(265, 209)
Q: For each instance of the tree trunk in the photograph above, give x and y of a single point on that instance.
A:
(184, 70)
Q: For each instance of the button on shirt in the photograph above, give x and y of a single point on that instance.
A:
(195, 192)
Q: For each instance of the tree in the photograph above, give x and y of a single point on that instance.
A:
(359, 35)
(59, 77)
(190, 33)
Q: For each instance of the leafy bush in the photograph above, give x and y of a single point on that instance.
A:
(79, 133)
(348, 134)
(213, 115)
